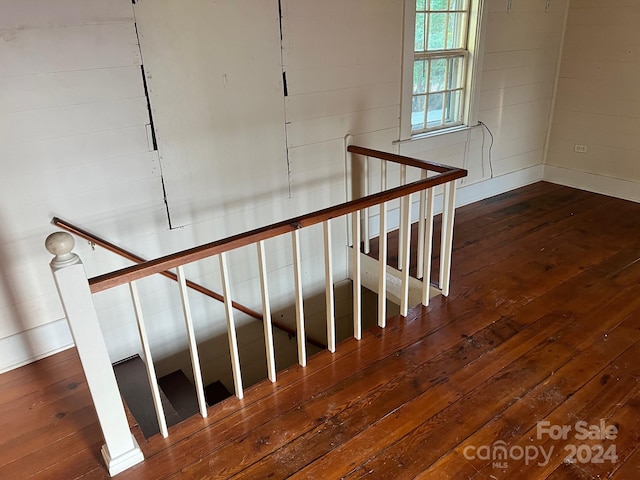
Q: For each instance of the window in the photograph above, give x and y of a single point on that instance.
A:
(440, 59)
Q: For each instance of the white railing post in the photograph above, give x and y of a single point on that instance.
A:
(401, 227)
(121, 451)
(329, 294)
(405, 235)
(356, 274)
(382, 252)
(421, 228)
(365, 212)
(191, 340)
(428, 248)
(297, 275)
(231, 327)
(148, 360)
(446, 248)
(266, 312)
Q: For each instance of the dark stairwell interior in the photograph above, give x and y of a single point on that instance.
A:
(177, 394)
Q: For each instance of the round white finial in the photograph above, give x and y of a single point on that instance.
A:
(61, 245)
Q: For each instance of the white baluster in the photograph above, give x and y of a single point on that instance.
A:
(120, 451)
(406, 254)
(382, 252)
(428, 248)
(191, 337)
(421, 229)
(231, 327)
(148, 360)
(357, 289)
(448, 212)
(348, 169)
(401, 227)
(365, 212)
(329, 296)
(301, 335)
(266, 313)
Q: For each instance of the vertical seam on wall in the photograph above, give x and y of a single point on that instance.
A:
(285, 90)
(554, 95)
(151, 124)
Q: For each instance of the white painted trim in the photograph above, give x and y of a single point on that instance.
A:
(476, 35)
(393, 281)
(77, 301)
(613, 187)
(408, 41)
(34, 344)
(497, 185)
(124, 461)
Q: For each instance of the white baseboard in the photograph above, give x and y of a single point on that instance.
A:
(34, 344)
(613, 187)
(465, 195)
(495, 186)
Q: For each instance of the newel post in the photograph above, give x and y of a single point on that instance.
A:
(121, 450)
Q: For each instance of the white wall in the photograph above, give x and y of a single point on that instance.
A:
(519, 56)
(72, 143)
(212, 87)
(598, 101)
(520, 63)
(74, 129)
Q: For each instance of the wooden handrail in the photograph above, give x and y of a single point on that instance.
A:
(136, 272)
(138, 259)
(80, 232)
(401, 159)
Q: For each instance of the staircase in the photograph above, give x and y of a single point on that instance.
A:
(177, 393)
(161, 402)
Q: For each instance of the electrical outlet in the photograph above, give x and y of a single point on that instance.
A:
(580, 148)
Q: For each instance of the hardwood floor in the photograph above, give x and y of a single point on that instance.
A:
(542, 324)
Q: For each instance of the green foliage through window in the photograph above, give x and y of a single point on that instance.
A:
(439, 63)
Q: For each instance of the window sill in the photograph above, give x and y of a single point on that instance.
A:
(436, 133)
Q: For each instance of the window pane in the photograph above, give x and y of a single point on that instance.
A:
(434, 110)
(437, 75)
(456, 69)
(439, 80)
(417, 112)
(456, 30)
(420, 76)
(438, 4)
(437, 25)
(419, 40)
(452, 107)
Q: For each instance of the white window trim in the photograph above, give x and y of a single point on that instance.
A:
(477, 27)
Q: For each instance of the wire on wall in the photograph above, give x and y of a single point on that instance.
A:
(485, 127)
(465, 158)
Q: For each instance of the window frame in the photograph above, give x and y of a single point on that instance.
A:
(472, 68)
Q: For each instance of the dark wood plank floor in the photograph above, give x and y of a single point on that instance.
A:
(542, 324)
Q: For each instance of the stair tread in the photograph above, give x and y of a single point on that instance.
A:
(181, 393)
(131, 374)
(216, 392)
